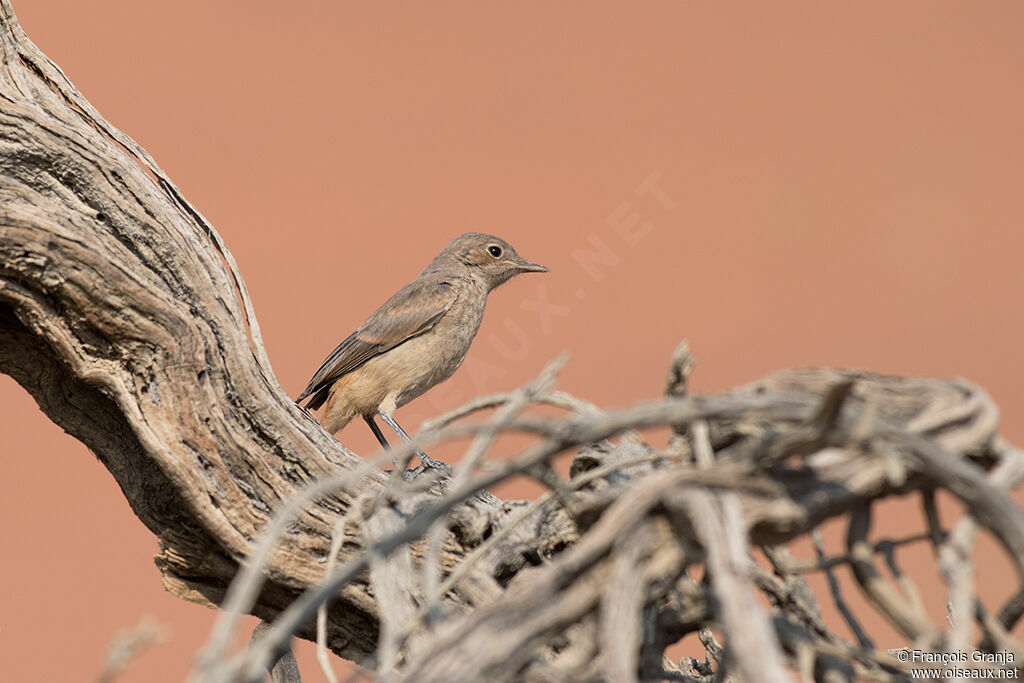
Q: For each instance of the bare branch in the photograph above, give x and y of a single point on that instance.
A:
(123, 313)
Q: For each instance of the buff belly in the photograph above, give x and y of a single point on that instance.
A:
(390, 380)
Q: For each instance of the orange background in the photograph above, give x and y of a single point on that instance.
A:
(846, 188)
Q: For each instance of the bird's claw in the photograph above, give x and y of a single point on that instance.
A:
(428, 461)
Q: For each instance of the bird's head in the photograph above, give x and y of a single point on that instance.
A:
(489, 258)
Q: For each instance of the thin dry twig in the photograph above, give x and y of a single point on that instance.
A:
(115, 290)
(548, 447)
(718, 522)
(337, 538)
(129, 644)
(754, 648)
(823, 562)
(837, 596)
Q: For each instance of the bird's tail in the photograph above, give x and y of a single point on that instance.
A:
(316, 398)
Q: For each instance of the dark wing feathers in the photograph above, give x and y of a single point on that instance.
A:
(413, 310)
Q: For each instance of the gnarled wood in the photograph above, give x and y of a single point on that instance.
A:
(123, 314)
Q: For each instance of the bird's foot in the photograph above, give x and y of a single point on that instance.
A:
(430, 462)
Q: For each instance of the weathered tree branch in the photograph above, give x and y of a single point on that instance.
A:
(123, 314)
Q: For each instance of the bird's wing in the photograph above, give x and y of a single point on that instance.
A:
(413, 310)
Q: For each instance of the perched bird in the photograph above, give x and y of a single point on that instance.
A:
(417, 339)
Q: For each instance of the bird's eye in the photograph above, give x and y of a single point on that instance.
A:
(495, 251)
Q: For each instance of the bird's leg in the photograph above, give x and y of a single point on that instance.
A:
(376, 431)
(424, 458)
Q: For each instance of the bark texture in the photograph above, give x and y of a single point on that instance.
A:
(123, 314)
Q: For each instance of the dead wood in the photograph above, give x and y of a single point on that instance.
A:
(123, 314)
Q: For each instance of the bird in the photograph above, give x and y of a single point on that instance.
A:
(417, 339)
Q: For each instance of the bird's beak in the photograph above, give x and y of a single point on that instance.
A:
(527, 267)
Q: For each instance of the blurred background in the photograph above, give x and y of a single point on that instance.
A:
(783, 186)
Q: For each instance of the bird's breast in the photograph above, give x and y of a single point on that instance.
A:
(434, 356)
